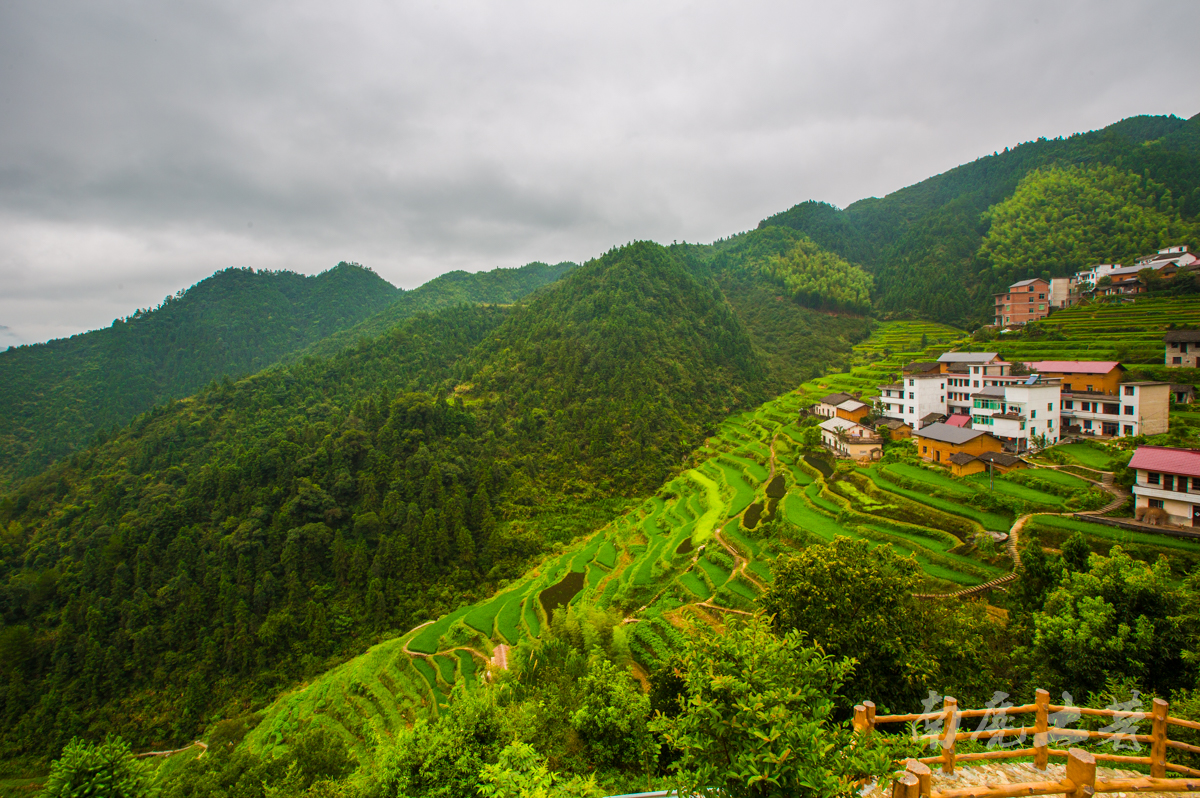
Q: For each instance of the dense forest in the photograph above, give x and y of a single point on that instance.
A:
(56, 397)
(225, 545)
(922, 240)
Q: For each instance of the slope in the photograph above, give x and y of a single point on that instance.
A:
(225, 546)
(499, 286)
(57, 396)
(920, 241)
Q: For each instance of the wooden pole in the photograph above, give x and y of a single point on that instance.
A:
(1041, 739)
(924, 776)
(1081, 772)
(869, 706)
(860, 719)
(906, 786)
(949, 730)
(1158, 748)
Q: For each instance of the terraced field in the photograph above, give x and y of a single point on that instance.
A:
(1127, 331)
(693, 553)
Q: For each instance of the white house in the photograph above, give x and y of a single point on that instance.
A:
(1139, 408)
(1019, 413)
(1168, 479)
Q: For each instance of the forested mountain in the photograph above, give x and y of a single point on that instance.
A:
(1136, 184)
(222, 546)
(499, 287)
(56, 396)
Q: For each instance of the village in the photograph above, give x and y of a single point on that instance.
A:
(971, 412)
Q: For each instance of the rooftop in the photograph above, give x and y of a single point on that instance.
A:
(1074, 366)
(958, 420)
(1182, 337)
(968, 357)
(836, 399)
(1167, 459)
(945, 433)
(961, 458)
(851, 405)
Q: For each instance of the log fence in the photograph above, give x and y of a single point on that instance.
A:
(1080, 779)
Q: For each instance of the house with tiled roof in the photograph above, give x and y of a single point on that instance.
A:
(937, 442)
(846, 438)
(1167, 480)
(1024, 301)
(827, 406)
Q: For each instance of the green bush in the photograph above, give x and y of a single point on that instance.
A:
(98, 770)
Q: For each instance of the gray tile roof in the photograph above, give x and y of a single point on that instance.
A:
(967, 357)
(948, 434)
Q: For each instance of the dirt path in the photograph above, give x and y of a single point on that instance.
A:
(197, 744)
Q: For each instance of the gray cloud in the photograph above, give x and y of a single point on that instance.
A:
(146, 145)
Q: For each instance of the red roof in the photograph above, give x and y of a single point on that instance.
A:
(958, 419)
(1167, 460)
(1074, 366)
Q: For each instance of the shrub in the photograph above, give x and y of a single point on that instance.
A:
(102, 770)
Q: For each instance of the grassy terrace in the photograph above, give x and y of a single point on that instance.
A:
(679, 557)
(1130, 332)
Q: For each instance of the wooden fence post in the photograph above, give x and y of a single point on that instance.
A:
(949, 729)
(860, 719)
(1041, 739)
(869, 706)
(1081, 771)
(906, 785)
(924, 776)
(1158, 748)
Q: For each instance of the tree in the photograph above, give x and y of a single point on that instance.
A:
(99, 770)
(757, 719)
(612, 719)
(856, 601)
(1122, 618)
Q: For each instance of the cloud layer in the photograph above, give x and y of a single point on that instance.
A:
(146, 145)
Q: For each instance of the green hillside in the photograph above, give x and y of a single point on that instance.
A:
(1130, 331)
(57, 396)
(696, 551)
(497, 287)
(924, 244)
(224, 546)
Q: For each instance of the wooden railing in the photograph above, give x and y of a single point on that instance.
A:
(866, 722)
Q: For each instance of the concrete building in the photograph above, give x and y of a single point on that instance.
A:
(827, 407)
(1100, 376)
(1024, 301)
(846, 438)
(1167, 479)
(1139, 408)
(1181, 348)
(852, 410)
(1023, 414)
(938, 442)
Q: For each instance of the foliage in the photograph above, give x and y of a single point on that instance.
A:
(757, 719)
(1120, 618)
(1063, 219)
(99, 770)
(818, 278)
(611, 720)
(521, 772)
(58, 396)
(856, 601)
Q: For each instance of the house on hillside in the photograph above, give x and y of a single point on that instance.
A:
(1084, 282)
(827, 407)
(1177, 256)
(893, 428)
(937, 442)
(852, 410)
(1023, 414)
(1168, 480)
(963, 464)
(1183, 394)
(1093, 376)
(1139, 408)
(1181, 347)
(1024, 301)
(846, 438)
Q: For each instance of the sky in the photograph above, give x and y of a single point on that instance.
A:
(145, 145)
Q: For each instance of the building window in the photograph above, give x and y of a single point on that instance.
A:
(1033, 414)
(912, 395)
(924, 450)
(1128, 429)
(910, 410)
(1050, 406)
(1050, 424)
(1156, 503)
(1168, 482)
(1129, 410)
(912, 383)
(976, 383)
(1129, 390)
(1153, 478)
(1175, 361)
(1068, 404)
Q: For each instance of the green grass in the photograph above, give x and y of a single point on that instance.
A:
(1018, 491)
(993, 521)
(799, 513)
(714, 512)
(606, 555)
(1060, 478)
(1116, 535)
(743, 494)
(937, 479)
(1086, 454)
(716, 574)
(695, 585)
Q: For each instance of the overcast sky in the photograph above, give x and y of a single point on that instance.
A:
(144, 145)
